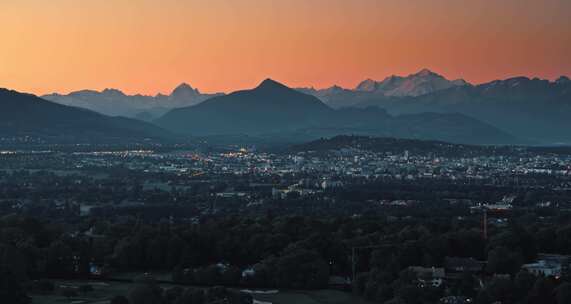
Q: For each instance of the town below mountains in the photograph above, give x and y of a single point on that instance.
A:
(409, 188)
(424, 105)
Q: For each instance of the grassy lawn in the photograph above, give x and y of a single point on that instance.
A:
(104, 291)
(311, 297)
(160, 276)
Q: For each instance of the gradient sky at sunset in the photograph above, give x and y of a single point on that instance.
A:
(150, 46)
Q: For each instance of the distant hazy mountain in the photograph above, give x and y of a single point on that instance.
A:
(423, 82)
(115, 103)
(536, 109)
(276, 111)
(28, 115)
(368, 91)
(338, 97)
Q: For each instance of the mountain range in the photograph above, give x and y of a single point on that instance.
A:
(272, 110)
(423, 105)
(421, 83)
(536, 110)
(31, 117)
(113, 102)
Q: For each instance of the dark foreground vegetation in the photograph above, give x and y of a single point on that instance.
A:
(191, 227)
(291, 252)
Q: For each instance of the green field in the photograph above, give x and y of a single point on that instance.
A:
(104, 291)
(101, 294)
(311, 297)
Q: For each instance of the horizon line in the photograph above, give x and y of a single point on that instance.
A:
(353, 87)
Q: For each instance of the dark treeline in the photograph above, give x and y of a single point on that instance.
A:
(294, 252)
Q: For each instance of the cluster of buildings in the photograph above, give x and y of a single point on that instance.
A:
(455, 268)
(345, 163)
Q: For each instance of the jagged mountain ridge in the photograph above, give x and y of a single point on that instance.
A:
(420, 83)
(113, 102)
(392, 87)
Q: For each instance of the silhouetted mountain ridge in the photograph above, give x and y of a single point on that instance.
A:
(534, 109)
(275, 110)
(528, 108)
(28, 115)
(267, 108)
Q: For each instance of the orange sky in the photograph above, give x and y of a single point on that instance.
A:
(150, 46)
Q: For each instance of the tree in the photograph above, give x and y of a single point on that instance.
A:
(523, 283)
(301, 268)
(542, 292)
(563, 293)
(155, 253)
(191, 296)
(119, 300)
(466, 285)
(564, 240)
(210, 275)
(231, 276)
(503, 261)
(10, 289)
(371, 289)
(12, 259)
(407, 289)
(410, 254)
(500, 289)
(129, 252)
(546, 240)
(263, 274)
(145, 291)
(517, 239)
(59, 258)
(360, 283)
(175, 247)
(384, 293)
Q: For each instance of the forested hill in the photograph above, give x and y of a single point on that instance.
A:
(397, 146)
